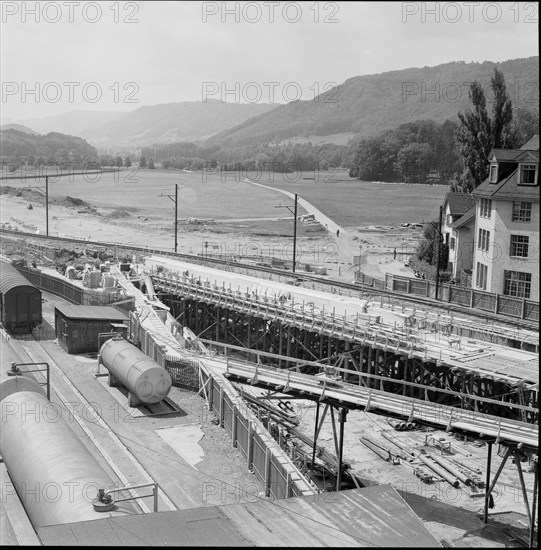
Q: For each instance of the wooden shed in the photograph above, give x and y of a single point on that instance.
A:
(77, 327)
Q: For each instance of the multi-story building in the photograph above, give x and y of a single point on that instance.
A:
(457, 231)
(506, 251)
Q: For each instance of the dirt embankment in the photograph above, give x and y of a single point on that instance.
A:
(73, 217)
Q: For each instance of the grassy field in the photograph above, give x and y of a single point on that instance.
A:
(348, 202)
(353, 203)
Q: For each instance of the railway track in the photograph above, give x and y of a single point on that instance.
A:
(78, 409)
(334, 286)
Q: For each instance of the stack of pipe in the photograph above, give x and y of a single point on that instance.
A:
(470, 468)
(467, 480)
(402, 425)
(442, 472)
(390, 450)
(407, 454)
(385, 455)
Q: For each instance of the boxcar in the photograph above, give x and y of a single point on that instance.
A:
(20, 300)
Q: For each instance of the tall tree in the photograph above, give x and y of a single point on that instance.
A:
(478, 134)
(502, 113)
(143, 162)
(525, 125)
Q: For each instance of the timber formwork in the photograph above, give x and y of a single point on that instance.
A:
(391, 361)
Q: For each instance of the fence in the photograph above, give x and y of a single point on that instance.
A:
(268, 462)
(519, 308)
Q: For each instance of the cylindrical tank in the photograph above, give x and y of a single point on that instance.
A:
(54, 474)
(144, 378)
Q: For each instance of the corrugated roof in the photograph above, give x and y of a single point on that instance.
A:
(103, 313)
(10, 278)
(371, 516)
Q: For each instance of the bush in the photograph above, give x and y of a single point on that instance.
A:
(429, 271)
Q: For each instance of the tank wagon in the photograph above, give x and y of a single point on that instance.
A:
(56, 477)
(145, 380)
(20, 300)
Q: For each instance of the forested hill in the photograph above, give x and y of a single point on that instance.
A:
(368, 105)
(164, 123)
(20, 128)
(53, 148)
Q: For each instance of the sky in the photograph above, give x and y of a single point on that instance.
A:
(117, 56)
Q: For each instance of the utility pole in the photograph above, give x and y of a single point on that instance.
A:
(175, 200)
(295, 235)
(46, 190)
(294, 212)
(438, 254)
(47, 205)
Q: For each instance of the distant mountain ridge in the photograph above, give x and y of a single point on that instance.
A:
(19, 128)
(368, 105)
(53, 148)
(165, 123)
(361, 106)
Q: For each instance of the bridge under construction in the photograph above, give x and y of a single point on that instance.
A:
(409, 354)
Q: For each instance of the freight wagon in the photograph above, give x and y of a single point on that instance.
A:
(20, 300)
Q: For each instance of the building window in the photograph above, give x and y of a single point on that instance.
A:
(522, 211)
(484, 240)
(517, 283)
(528, 174)
(493, 173)
(481, 276)
(486, 208)
(452, 243)
(519, 246)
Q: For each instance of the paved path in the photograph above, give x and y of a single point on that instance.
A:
(347, 247)
(324, 220)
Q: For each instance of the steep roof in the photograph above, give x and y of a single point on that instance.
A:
(505, 155)
(508, 189)
(459, 203)
(532, 144)
(464, 219)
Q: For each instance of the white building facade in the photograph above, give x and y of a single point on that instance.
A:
(506, 251)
